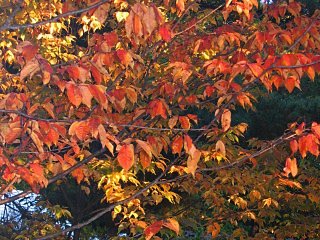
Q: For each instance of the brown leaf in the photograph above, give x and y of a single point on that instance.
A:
(220, 148)
(192, 162)
(226, 120)
(29, 69)
(145, 146)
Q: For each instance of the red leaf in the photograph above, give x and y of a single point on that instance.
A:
(153, 229)
(316, 129)
(177, 145)
(165, 33)
(111, 38)
(126, 156)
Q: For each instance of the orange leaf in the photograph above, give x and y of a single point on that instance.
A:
(125, 57)
(214, 229)
(49, 107)
(78, 175)
(137, 26)
(188, 144)
(29, 52)
(177, 145)
(78, 73)
(316, 129)
(255, 69)
(294, 146)
(277, 81)
(226, 120)
(172, 122)
(126, 156)
(172, 224)
(86, 95)
(184, 121)
(96, 74)
(53, 136)
(180, 5)
(153, 229)
(303, 146)
(291, 167)
(74, 94)
(192, 162)
(145, 146)
(288, 60)
(98, 92)
(290, 83)
(220, 148)
(156, 107)
(12, 135)
(145, 159)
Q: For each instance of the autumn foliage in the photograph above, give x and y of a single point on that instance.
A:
(156, 84)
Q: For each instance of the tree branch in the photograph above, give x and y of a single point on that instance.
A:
(109, 208)
(67, 14)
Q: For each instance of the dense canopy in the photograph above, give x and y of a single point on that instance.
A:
(158, 119)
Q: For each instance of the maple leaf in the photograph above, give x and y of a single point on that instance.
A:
(126, 156)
